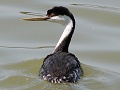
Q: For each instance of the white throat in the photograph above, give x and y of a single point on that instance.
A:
(69, 24)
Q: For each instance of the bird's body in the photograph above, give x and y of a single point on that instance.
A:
(61, 66)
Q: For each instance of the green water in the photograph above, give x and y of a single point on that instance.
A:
(24, 76)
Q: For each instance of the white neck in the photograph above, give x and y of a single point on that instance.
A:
(66, 32)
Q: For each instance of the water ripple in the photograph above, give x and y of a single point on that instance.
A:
(32, 13)
(27, 47)
(98, 6)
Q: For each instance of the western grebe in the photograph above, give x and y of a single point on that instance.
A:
(60, 66)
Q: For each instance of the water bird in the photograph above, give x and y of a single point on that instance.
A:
(60, 66)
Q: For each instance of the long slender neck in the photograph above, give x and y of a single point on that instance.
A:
(64, 41)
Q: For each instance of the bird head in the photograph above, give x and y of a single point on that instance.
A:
(57, 14)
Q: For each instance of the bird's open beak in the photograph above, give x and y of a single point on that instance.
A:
(44, 18)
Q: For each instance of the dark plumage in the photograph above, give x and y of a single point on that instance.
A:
(61, 66)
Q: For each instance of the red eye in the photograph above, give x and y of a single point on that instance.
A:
(52, 14)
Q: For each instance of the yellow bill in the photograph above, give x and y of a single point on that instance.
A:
(37, 18)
